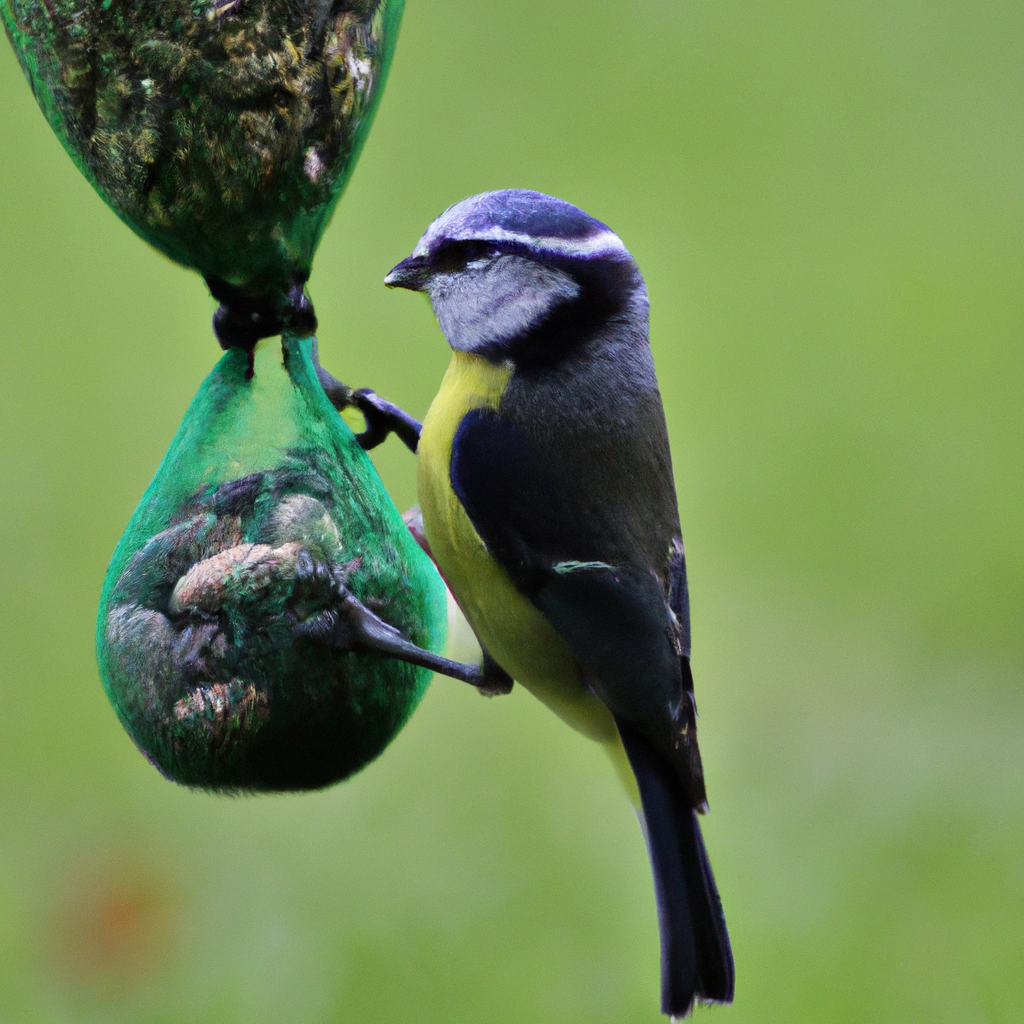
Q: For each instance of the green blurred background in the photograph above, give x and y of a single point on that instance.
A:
(827, 203)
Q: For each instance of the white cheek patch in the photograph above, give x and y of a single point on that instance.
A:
(496, 300)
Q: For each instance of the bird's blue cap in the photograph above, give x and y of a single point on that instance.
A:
(519, 220)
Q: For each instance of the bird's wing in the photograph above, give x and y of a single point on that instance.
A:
(627, 626)
(620, 621)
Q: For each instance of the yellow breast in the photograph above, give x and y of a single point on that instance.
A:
(517, 636)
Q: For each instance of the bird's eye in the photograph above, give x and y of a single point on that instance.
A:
(453, 256)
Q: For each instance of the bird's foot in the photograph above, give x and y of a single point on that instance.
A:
(382, 417)
(348, 625)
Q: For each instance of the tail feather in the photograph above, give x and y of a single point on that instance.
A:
(696, 958)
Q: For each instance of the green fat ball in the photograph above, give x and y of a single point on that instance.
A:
(264, 502)
(222, 131)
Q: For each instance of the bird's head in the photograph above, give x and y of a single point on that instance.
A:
(521, 275)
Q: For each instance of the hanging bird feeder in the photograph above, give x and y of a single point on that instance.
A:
(249, 608)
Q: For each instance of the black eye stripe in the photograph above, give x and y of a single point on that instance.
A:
(454, 255)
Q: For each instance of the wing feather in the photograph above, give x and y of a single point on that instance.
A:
(616, 619)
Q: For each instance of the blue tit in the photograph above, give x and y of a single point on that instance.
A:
(545, 484)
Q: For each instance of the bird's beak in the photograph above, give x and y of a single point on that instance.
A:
(411, 273)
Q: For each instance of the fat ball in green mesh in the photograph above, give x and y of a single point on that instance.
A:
(240, 624)
(222, 131)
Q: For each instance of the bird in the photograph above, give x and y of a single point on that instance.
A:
(548, 503)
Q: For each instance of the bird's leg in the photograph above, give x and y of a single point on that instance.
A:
(338, 394)
(496, 681)
(352, 624)
(382, 417)
(349, 625)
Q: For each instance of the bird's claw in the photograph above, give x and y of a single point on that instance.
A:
(348, 625)
(382, 417)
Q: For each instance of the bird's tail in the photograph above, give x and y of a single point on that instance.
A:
(696, 958)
